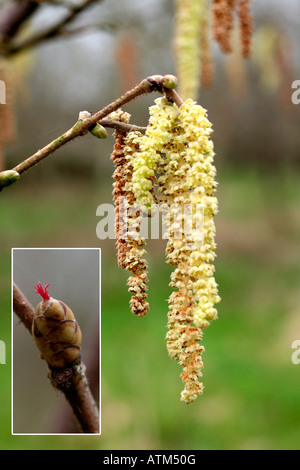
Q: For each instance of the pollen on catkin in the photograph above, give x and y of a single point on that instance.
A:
(187, 186)
(175, 156)
(146, 158)
(135, 256)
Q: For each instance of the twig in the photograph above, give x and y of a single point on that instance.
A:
(22, 307)
(13, 17)
(73, 383)
(172, 95)
(122, 126)
(50, 33)
(71, 380)
(82, 127)
(87, 27)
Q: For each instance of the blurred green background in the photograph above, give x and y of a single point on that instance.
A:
(251, 397)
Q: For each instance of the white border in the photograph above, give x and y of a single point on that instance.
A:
(100, 345)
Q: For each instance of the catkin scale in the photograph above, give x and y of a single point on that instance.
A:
(56, 333)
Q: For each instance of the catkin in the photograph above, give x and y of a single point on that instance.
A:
(246, 27)
(128, 219)
(223, 23)
(119, 192)
(188, 19)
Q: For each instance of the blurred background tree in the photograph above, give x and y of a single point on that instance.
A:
(94, 56)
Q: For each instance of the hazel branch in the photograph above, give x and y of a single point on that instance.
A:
(70, 380)
(155, 83)
(51, 32)
(13, 17)
(82, 127)
(22, 307)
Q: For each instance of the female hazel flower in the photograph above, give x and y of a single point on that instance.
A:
(56, 331)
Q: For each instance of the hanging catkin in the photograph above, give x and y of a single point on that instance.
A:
(128, 220)
(178, 147)
(246, 27)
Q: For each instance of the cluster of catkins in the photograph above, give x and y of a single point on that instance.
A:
(195, 20)
(171, 167)
(223, 22)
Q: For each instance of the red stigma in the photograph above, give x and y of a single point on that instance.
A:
(43, 292)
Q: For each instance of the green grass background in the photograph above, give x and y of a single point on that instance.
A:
(251, 396)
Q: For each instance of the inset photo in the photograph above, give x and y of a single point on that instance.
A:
(56, 340)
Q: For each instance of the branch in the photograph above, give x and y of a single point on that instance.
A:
(82, 127)
(88, 27)
(52, 32)
(162, 84)
(71, 380)
(13, 17)
(22, 307)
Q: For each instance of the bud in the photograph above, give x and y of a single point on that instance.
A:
(170, 81)
(8, 177)
(84, 115)
(56, 331)
(96, 130)
(99, 132)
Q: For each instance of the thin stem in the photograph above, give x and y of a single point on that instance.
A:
(13, 17)
(50, 33)
(71, 380)
(122, 126)
(22, 307)
(78, 129)
(172, 95)
(73, 383)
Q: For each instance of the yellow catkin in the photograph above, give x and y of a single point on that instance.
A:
(134, 256)
(146, 158)
(188, 181)
(188, 20)
(179, 142)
